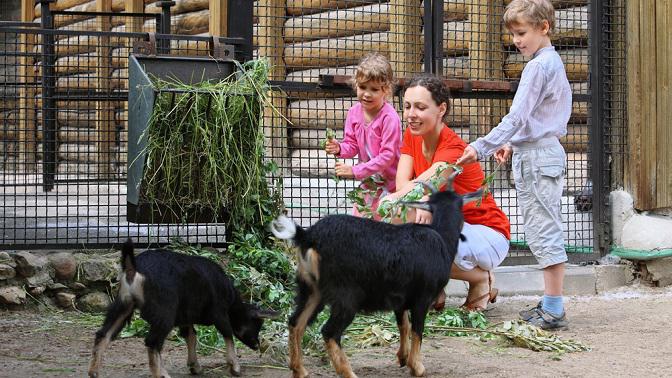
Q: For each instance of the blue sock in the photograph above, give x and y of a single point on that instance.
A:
(553, 304)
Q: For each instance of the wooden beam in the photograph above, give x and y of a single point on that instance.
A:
(134, 25)
(405, 35)
(219, 18)
(27, 93)
(271, 15)
(663, 102)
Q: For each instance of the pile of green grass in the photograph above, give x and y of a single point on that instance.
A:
(205, 149)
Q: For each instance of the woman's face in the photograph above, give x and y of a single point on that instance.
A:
(421, 113)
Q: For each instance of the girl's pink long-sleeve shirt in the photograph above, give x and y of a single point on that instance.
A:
(382, 138)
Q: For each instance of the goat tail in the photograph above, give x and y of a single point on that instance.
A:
(128, 261)
(284, 228)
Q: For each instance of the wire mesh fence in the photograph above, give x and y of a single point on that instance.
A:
(66, 183)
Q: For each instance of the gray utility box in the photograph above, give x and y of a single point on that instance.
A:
(141, 98)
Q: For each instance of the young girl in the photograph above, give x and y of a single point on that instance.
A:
(372, 129)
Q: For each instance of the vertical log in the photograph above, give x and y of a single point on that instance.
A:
(134, 24)
(405, 37)
(486, 62)
(663, 56)
(633, 72)
(271, 14)
(219, 18)
(104, 109)
(27, 93)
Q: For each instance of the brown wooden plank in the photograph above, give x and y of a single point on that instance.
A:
(218, 22)
(134, 25)
(105, 126)
(663, 27)
(27, 93)
(634, 106)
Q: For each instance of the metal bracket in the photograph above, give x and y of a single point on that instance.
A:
(145, 47)
(221, 50)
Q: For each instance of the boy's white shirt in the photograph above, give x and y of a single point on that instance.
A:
(541, 107)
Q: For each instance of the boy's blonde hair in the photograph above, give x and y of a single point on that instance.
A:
(374, 67)
(531, 11)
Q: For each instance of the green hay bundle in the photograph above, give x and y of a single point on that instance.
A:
(205, 149)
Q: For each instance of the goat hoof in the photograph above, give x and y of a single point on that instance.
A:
(418, 370)
(235, 371)
(402, 360)
(93, 374)
(300, 373)
(195, 369)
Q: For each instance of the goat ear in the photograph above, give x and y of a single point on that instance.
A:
(418, 205)
(266, 314)
(473, 196)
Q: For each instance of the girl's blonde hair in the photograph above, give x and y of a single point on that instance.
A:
(531, 11)
(374, 67)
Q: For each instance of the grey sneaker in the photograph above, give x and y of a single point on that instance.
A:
(547, 321)
(530, 313)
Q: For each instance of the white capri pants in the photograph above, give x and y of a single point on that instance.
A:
(484, 247)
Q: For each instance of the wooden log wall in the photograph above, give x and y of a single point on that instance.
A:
(307, 38)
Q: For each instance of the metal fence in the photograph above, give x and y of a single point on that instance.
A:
(311, 49)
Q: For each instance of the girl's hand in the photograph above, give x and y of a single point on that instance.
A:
(502, 155)
(469, 156)
(344, 170)
(423, 216)
(332, 147)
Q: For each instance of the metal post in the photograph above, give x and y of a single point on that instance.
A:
(240, 20)
(437, 51)
(429, 30)
(597, 125)
(49, 146)
(164, 27)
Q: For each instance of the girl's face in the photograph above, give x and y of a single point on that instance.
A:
(529, 38)
(371, 94)
(421, 113)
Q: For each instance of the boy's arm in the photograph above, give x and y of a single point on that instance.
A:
(527, 96)
(390, 141)
(349, 143)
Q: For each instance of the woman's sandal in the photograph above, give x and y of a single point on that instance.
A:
(491, 295)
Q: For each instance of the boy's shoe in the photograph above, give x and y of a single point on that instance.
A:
(547, 321)
(530, 313)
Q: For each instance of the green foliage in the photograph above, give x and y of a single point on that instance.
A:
(362, 197)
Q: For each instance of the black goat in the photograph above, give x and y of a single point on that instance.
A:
(360, 265)
(176, 290)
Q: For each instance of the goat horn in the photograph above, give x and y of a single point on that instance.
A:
(450, 179)
(418, 205)
(473, 196)
(429, 186)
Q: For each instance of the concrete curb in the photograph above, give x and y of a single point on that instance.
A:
(529, 280)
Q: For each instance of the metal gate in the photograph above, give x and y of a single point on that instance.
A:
(64, 138)
(63, 109)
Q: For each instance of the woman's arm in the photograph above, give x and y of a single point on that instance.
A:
(405, 180)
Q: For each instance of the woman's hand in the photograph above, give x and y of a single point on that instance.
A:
(423, 216)
(469, 156)
(332, 147)
(344, 170)
(502, 155)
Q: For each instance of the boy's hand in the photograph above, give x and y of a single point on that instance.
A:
(469, 156)
(503, 154)
(332, 147)
(344, 170)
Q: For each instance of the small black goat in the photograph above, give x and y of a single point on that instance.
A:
(360, 265)
(176, 290)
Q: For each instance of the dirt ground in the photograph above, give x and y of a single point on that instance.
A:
(628, 330)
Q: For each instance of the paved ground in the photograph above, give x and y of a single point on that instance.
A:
(628, 329)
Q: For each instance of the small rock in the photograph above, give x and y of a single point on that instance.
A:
(6, 259)
(12, 295)
(56, 286)
(94, 302)
(28, 264)
(78, 286)
(40, 279)
(37, 290)
(6, 272)
(65, 265)
(65, 300)
(98, 270)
